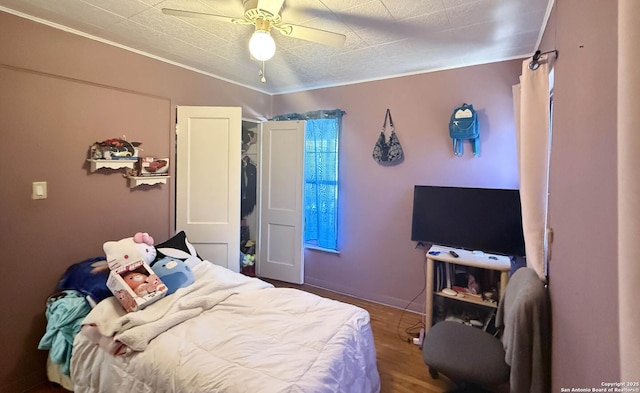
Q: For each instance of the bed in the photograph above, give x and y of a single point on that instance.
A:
(227, 333)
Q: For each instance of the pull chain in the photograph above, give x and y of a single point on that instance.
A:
(261, 74)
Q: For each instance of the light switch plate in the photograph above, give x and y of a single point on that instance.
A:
(39, 190)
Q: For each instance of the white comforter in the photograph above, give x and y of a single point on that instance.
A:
(236, 334)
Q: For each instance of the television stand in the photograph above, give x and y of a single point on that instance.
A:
(476, 259)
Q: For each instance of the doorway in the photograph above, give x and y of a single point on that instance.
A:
(249, 197)
(208, 185)
(272, 219)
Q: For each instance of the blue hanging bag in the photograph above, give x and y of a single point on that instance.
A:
(464, 125)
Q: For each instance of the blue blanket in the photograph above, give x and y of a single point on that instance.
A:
(83, 277)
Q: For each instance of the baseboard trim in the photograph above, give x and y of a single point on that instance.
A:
(383, 300)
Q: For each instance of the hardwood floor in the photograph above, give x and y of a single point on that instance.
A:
(400, 363)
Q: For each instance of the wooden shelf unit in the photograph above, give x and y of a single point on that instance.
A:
(481, 260)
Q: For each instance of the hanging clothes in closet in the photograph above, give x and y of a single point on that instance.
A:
(248, 187)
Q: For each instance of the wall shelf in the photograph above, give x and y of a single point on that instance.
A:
(111, 164)
(135, 181)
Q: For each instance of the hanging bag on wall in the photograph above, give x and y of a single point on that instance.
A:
(388, 152)
(464, 125)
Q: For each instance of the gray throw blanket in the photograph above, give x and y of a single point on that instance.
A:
(524, 315)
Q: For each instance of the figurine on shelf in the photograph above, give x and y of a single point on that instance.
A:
(113, 149)
(152, 166)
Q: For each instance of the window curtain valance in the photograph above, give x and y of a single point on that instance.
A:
(314, 115)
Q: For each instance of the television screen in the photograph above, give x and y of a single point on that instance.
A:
(476, 219)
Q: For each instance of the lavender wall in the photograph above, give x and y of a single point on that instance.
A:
(583, 199)
(377, 259)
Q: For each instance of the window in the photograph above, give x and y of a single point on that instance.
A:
(321, 183)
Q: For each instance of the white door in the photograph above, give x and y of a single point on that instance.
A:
(208, 181)
(280, 238)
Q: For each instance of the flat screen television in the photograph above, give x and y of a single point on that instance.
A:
(476, 219)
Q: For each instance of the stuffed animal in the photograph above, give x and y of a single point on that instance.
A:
(126, 251)
(142, 284)
(154, 283)
(127, 301)
(174, 273)
(179, 247)
(138, 282)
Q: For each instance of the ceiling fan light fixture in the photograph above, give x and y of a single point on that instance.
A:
(261, 45)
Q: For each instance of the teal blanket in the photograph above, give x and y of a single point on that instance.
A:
(64, 313)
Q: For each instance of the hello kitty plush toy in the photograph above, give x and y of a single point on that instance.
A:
(123, 252)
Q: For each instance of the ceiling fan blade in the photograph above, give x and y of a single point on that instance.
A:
(311, 34)
(271, 6)
(201, 15)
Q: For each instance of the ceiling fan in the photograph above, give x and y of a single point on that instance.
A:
(265, 16)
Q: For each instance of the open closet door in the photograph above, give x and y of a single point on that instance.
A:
(280, 238)
(208, 181)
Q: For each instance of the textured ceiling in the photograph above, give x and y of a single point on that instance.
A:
(385, 38)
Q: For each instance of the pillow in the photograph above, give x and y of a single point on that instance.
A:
(178, 247)
(87, 278)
